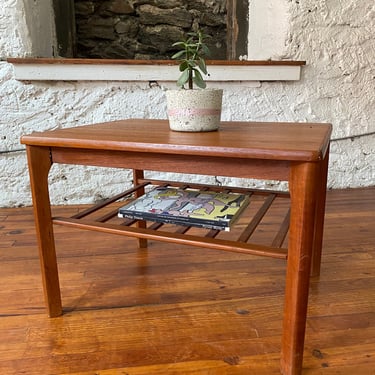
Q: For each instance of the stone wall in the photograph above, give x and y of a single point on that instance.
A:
(146, 29)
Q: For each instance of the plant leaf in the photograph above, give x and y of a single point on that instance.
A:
(178, 54)
(184, 65)
(191, 59)
(205, 49)
(191, 63)
(184, 77)
(202, 66)
(198, 80)
(179, 44)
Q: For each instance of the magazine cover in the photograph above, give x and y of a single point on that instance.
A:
(201, 208)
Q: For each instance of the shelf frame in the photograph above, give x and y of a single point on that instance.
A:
(153, 231)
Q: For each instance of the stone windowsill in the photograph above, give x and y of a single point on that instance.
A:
(50, 69)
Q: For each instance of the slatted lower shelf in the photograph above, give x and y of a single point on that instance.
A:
(253, 224)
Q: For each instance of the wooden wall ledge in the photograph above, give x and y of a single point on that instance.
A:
(44, 69)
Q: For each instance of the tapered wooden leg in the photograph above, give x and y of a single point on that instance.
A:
(138, 174)
(303, 192)
(39, 162)
(319, 218)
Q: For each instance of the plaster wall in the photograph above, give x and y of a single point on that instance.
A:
(268, 27)
(39, 19)
(335, 37)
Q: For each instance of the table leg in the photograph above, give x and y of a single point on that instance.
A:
(39, 162)
(319, 218)
(302, 184)
(137, 175)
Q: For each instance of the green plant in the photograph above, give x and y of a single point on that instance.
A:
(191, 57)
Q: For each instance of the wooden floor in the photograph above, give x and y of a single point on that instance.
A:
(184, 310)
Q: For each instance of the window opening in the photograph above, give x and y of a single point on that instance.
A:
(145, 30)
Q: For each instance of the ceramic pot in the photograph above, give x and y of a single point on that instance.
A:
(197, 110)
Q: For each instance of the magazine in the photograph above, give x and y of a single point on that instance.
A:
(191, 207)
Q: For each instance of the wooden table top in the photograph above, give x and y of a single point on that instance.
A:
(257, 140)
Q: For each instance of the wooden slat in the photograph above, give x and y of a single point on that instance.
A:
(212, 233)
(225, 245)
(128, 222)
(182, 229)
(108, 201)
(107, 216)
(249, 230)
(155, 226)
(283, 231)
(234, 189)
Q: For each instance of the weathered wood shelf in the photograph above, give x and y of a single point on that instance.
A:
(53, 69)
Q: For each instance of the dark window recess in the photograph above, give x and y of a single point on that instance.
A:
(65, 28)
(146, 29)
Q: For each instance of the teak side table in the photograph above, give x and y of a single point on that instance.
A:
(293, 152)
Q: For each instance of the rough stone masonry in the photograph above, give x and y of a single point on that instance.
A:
(146, 29)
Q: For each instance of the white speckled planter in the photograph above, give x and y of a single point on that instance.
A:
(194, 110)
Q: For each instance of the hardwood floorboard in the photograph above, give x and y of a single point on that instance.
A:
(183, 310)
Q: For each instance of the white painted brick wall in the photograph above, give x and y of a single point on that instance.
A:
(335, 37)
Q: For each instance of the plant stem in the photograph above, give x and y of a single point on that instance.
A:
(190, 82)
(194, 57)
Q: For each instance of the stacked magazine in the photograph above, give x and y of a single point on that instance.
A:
(191, 207)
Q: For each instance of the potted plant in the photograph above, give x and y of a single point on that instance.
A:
(193, 109)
